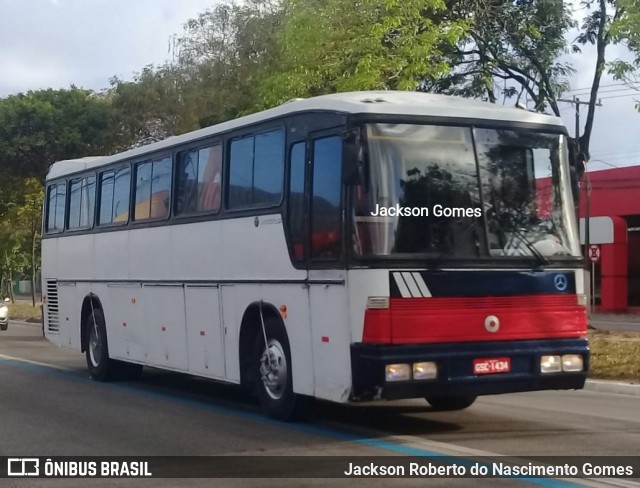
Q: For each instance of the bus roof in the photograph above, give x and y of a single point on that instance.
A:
(367, 102)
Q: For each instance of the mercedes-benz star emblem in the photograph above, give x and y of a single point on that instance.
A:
(560, 281)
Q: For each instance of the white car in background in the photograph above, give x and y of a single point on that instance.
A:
(4, 315)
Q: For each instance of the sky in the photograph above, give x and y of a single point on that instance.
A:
(59, 43)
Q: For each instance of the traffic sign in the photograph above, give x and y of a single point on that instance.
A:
(594, 253)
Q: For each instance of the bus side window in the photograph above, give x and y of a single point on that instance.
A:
(187, 176)
(327, 190)
(209, 178)
(56, 202)
(256, 168)
(296, 200)
(153, 189)
(161, 189)
(199, 180)
(82, 193)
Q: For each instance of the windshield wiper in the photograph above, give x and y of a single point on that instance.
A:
(542, 260)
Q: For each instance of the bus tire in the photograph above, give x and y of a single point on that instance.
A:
(101, 367)
(448, 404)
(273, 379)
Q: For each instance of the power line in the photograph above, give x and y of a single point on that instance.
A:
(601, 86)
(606, 91)
(621, 150)
(637, 94)
(613, 154)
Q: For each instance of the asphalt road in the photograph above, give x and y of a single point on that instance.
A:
(616, 323)
(50, 407)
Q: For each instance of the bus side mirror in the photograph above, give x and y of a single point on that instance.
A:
(353, 158)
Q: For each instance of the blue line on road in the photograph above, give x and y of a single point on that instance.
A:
(301, 427)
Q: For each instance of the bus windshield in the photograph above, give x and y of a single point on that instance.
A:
(462, 192)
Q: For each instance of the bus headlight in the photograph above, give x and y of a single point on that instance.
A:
(425, 371)
(550, 364)
(398, 372)
(572, 362)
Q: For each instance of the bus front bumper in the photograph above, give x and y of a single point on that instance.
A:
(455, 368)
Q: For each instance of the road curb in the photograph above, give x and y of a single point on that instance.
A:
(619, 387)
(23, 323)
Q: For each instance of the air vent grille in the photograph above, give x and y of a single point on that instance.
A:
(53, 309)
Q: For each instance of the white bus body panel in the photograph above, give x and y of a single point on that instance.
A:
(231, 318)
(330, 334)
(166, 326)
(125, 320)
(67, 298)
(111, 256)
(205, 338)
(189, 279)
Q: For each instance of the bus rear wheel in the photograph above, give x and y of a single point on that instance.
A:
(273, 380)
(448, 404)
(101, 368)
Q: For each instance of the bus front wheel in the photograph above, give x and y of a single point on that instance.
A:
(272, 366)
(447, 404)
(100, 366)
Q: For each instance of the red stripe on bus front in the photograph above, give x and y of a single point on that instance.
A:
(463, 319)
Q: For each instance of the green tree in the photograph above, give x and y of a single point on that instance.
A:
(226, 52)
(511, 50)
(598, 28)
(150, 108)
(514, 48)
(29, 223)
(627, 30)
(332, 45)
(20, 224)
(41, 127)
(211, 78)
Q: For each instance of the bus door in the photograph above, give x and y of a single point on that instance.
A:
(325, 267)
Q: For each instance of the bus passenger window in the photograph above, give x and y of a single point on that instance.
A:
(56, 202)
(114, 196)
(82, 194)
(199, 180)
(187, 176)
(296, 200)
(161, 189)
(256, 168)
(153, 189)
(209, 178)
(327, 191)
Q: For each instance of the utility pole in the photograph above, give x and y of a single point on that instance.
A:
(587, 203)
(576, 101)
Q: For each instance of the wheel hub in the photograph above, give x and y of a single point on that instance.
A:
(273, 369)
(95, 348)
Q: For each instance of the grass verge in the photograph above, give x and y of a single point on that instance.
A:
(614, 355)
(23, 310)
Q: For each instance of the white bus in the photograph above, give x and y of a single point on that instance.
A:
(348, 247)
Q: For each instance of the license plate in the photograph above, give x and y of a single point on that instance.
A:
(491, 365)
